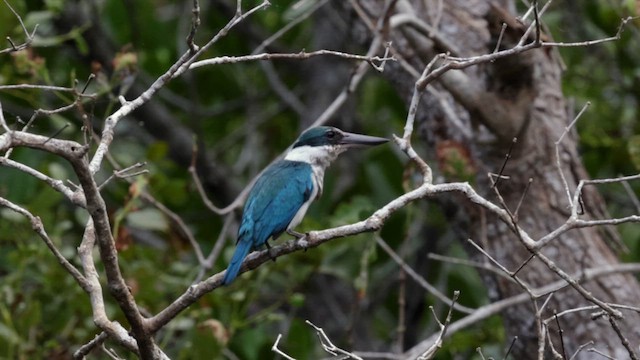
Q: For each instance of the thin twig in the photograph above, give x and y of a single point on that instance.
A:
(499, 42)
(557, 145)
(536, 20)
(75, 197)
(594, 350)
(437, 344)
(85, 349)
(419, 279)
(560, 335)
(623, 339)
(496, 263)
(38, 87)
(29, 36)
(291, 24)
(328, 346)
(195, 23)
(276, 350)
(507, 156)
(580, 348)
(179, 67)
(57, 132)
(513, 342)
(524, 194)
(499, 306)
(39, 229)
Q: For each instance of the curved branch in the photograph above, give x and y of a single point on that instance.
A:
(499, 306)
(74, 153)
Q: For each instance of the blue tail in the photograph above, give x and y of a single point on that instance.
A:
(242, 249)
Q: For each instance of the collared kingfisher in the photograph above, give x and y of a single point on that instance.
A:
(282, 194)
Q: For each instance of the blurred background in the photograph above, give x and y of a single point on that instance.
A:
(242, 116)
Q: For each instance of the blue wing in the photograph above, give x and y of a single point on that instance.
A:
(275, 199)
(273, 202)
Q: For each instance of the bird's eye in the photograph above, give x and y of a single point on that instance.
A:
(331, 134)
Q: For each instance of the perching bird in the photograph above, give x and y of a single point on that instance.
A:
(282, 194)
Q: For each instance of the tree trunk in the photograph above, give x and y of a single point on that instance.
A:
(476, 112)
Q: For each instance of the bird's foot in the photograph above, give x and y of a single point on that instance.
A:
(300, 238)
(296, 234)
(269, 251)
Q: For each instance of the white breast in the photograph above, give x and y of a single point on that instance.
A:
(319, 157)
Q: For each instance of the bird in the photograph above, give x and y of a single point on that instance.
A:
(281, 195)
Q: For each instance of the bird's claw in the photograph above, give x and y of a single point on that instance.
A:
(300, 238)
(269, 251)
(296, 234)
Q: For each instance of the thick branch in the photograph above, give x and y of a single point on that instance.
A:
(74, 153)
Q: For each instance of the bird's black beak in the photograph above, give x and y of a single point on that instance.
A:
(351, 139)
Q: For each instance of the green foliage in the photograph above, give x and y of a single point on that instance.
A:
(608, 129)
(609, 123)
(30, 289)
(243, 125)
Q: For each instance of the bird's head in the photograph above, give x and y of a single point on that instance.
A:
(331, 136)
(321, 145)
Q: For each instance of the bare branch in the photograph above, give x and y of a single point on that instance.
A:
(512, 275)
(74, 154)
(355, 79)
(451, 63)
(178, 221)
(594, 350)
(303, 55)
(558, 161)
(476, 264)
(75, 197)
(431, 351)
(94, 290)
(41, 87)
(419, 279)
(38, 228)
(266, 42)
(507, 156)
(127, 172)
(632, 195)
(328, 346)
(623, 24)
(29, 36)
(203, 195)
(195, 23)
(97, 231)
(216, 250)
(623, 339)
(276, 350)
(580, 348)
(85, 349)
(499, 306)
(181, 65)
(499, 42)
